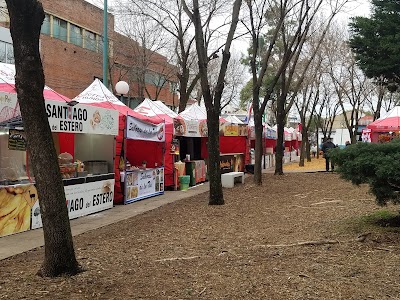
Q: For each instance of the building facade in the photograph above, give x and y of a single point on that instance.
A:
(71, 46)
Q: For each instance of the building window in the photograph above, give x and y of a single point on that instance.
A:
(75, 35)
(60, 29)
(90, 40)
(100, 44)
(46, 25)
(3, 52)
(154, 79)
(10, 54)
(6, 53)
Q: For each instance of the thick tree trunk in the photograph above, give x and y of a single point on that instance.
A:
(317, 134)
(308, 148)
(302, 153)
(214, 170)
(26, 17)
(305, 147)
(183, 96)
(258, 153)
(280, 121)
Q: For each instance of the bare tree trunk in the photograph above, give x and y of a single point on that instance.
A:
(308, 148)
(305, 147)
(183, 95)
(212, 100)
(214, 170)
(280, 121)
(317, 136)
(259, 147)
(381, 94)
(26, 17)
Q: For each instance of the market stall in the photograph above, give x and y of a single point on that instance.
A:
(98, 95)
(159, 112)
(143, 180)
(233, 147)
(87, 189)
(191, 132)
(384, 129)
(269, 142)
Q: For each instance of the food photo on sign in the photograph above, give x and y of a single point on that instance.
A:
(174, 147)
(179, 127)
(15, 208)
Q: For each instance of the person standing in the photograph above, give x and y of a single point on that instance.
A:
(326, 147)
(314, 150)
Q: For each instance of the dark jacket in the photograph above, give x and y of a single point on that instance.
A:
(326, 147)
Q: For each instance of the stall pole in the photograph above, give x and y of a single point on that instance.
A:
(174, 172)
(264, 140)
(125, 147)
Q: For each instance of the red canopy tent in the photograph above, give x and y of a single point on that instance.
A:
(229, 142)
(390, 123)
(12, 110)
(159, 112)
(7, 85)
(98, 95)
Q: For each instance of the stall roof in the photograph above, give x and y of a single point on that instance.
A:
(196, 112)
(9, 110)
(389, 122)
(233, 119)
(97, 94)
(7, 84)
(156, 109)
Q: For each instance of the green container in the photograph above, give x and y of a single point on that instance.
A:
(191, 171)
(184, 182)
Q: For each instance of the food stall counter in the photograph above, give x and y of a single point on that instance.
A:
(143, 183)
(84, 195)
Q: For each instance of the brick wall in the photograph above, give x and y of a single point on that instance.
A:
(69, 69)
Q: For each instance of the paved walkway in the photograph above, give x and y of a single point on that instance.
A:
(25, 241)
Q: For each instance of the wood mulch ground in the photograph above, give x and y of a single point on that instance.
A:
(299, 236)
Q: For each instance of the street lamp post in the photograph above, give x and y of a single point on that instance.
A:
(341, 133)
(122, 88)
(105, 44)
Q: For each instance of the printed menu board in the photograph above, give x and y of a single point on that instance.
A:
(140, 184)
(16, 140)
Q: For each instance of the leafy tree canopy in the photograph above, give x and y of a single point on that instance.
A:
(375, 41)
(375, 164)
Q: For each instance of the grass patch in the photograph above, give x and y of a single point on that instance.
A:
(380, 220)
(383, 218)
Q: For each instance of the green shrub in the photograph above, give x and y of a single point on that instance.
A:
(375, 164)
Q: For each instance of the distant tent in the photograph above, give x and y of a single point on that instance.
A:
(389, 122)
(233, 119)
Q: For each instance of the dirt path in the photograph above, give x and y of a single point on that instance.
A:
(292, 238)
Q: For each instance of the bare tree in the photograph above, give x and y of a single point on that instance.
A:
(26, 18)
(287, 34)
(327, 109)
(233, 80)
(170, 17)
(306, 101)
(351, 86)
(201, 15)
(137, 57)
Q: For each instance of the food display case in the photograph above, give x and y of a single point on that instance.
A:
(85, 193)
